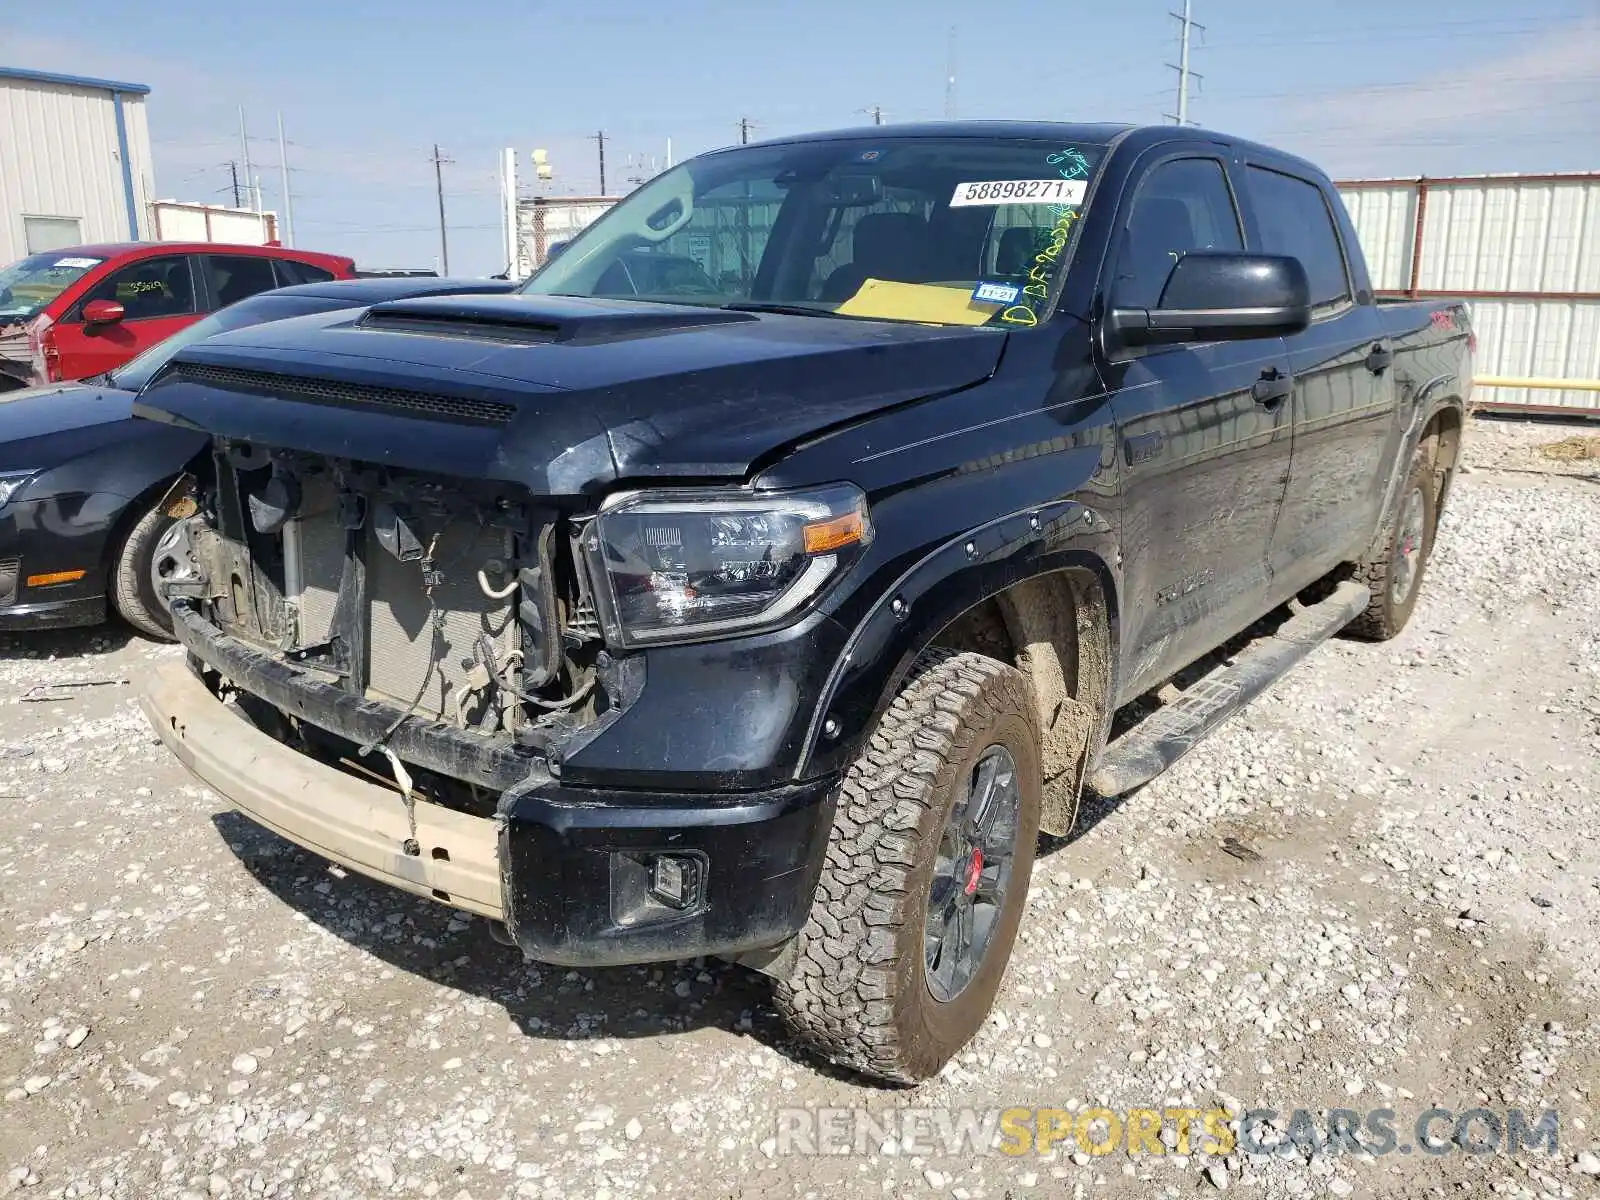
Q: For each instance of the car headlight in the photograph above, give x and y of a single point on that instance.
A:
(688, 565)
(12, 482)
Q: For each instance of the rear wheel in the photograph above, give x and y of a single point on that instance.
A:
(133, 591)
(926, 876)
(1394, 574)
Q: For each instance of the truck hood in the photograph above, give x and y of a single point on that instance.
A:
(560, 394)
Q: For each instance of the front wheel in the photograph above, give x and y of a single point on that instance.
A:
(133, 590)
(926, 875)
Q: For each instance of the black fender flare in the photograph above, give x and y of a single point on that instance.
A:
(1431, 399)
(959, 574)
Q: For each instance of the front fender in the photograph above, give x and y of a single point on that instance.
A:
(942, 585)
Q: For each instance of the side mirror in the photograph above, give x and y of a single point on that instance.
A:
(553, 249)
(102, 312)
(1216, 296)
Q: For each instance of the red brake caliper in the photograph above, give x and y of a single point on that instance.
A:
(974, 870)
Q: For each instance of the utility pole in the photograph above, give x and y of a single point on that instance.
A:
(877, 114)
(744, 131)
(244, 147)
(438, 183)
(600, 140)
(1186, 23)
(950, 79)
(288, 203)
(233, 171)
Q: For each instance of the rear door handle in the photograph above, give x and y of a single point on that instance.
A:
(1379, 359)
(1272, 389)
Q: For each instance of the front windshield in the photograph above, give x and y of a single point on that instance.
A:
(957, 231)
(29, 284)
(136, 372)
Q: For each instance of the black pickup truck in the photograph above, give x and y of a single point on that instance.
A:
(776, 622)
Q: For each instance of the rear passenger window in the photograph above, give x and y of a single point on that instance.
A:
(1180, 206)
(234, 277)
(1295, 220)
(291, 272)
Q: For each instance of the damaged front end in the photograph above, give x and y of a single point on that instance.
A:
(460, 604)
(388, 667)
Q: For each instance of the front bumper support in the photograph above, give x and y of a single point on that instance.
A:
(568, 869)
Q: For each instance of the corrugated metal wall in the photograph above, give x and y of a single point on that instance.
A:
(59, 158)
(1523, 251)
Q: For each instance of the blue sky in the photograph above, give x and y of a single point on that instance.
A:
(1364, 87)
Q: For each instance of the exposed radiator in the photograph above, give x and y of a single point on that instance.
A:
(320, 540)
(401, 649)
(402, 637)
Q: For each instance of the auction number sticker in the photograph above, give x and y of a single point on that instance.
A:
(1019, 191)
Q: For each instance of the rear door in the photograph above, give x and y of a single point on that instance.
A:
(231, 278)
(1344, 405)
(158, 298)
(1204, 450)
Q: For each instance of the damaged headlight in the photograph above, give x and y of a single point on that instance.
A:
(12, 482)
(683, 565)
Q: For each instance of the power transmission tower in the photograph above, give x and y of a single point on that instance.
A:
(233, 172)
(950, 79)
(600, 138)
(438, 183)
(1186, 24)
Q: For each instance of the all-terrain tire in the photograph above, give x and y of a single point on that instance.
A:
(133, 591)
(859, 993)
(1408, 539)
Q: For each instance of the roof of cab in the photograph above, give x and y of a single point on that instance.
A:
(1092, 134)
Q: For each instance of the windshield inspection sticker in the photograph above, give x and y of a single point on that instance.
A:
(996, 293)
(76, 262)
(1019, 191)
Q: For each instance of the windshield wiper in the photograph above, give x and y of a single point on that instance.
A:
(791, 310)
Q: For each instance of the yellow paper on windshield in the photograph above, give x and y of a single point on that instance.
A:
(927, 302)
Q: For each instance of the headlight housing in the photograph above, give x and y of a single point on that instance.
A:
(682, 565)
(12, 482)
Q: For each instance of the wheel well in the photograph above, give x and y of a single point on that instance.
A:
(1441, 443)
(127, 519)
(1055, 629)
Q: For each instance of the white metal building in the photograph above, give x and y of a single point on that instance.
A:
(74, 162)
(1522, 250)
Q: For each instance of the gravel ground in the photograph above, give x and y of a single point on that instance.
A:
(1377, 888)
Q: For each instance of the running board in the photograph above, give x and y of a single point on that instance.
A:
(1165, 736)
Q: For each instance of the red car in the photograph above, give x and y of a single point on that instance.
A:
(74, 313)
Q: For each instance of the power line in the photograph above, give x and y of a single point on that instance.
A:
(1187, 23)
(438, 183)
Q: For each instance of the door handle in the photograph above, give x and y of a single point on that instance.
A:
(1379, 359)
(1272, 389)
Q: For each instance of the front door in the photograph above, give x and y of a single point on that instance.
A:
(158, 299)
(1205, 439)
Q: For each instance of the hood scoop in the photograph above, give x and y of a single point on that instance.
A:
(539, 320)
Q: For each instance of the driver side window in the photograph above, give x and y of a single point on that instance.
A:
(1180, 206)
(150, 288)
